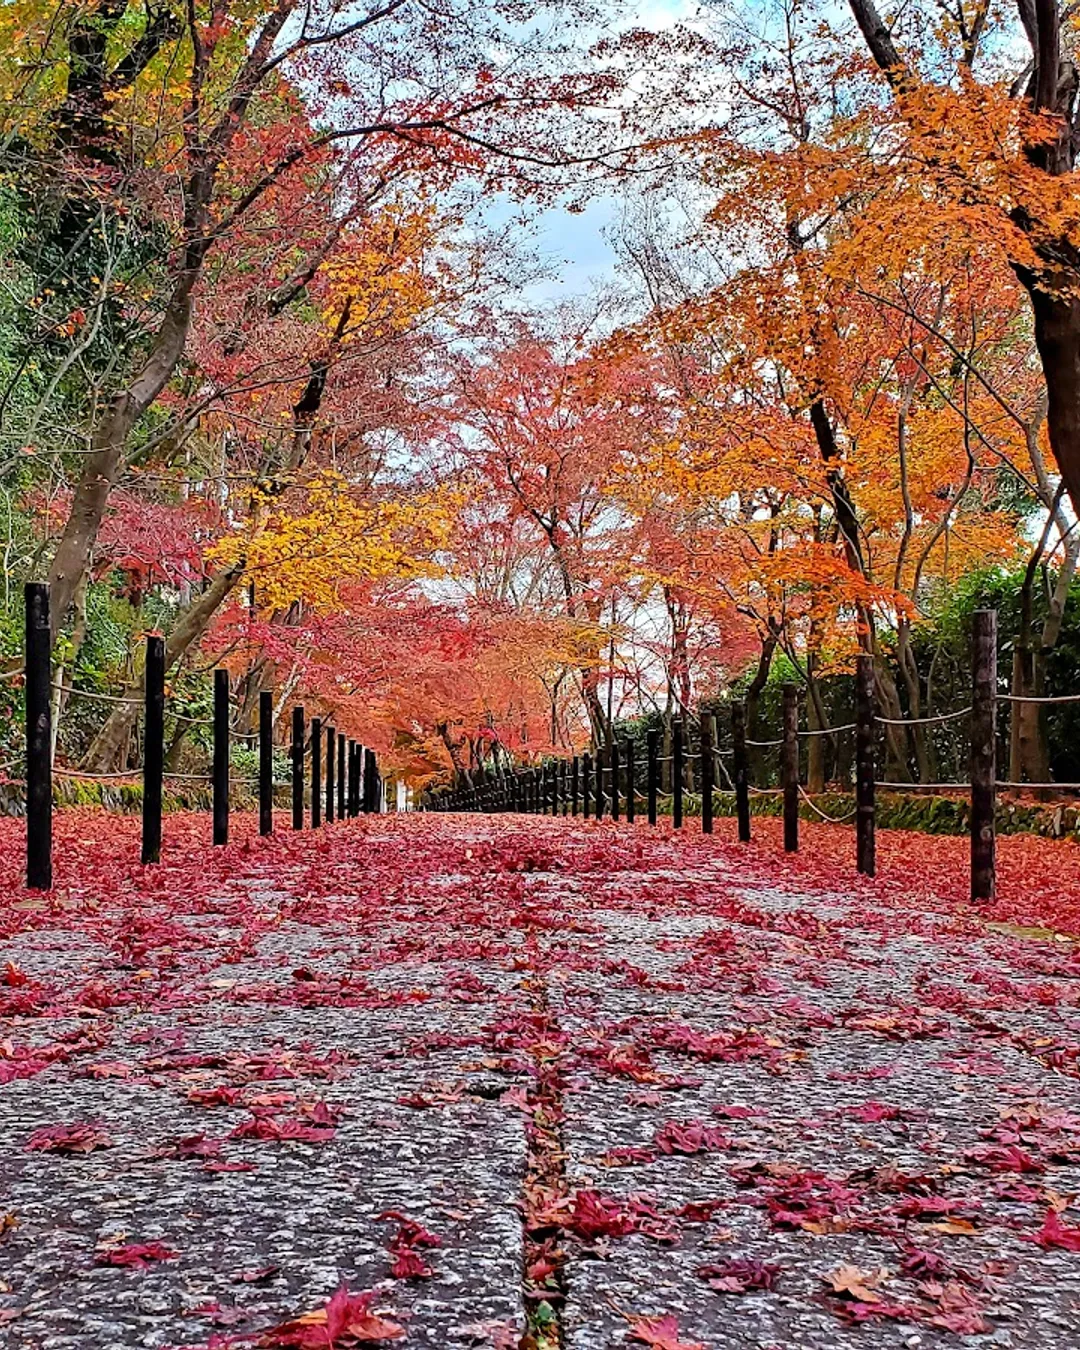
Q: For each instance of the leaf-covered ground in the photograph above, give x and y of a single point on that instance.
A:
(485, 1082)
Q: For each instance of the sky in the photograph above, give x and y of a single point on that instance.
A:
(577, 245)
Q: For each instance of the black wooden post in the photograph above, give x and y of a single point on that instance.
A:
(266, 762)
(603, 762)
(153, 748)
(575, 770)
(676, 773)
(983, 753)
(371, 783)
(298, 767)
(631, 804)
(586, 784)
(342, 803)
(615, 761)
(652, 766)
(331, 743)
(38, 739)
(316, 772)
(742, 771)
(790, 766)
(865, 859)
(708, 772)
(221, 756)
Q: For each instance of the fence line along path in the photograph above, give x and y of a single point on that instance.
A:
(345, 780)
(351, 785)
(600, 782)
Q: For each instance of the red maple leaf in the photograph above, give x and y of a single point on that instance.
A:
(78, 1138)
(345, 1320)
(135, 1254)
(661, 1333)
(1054, 1233)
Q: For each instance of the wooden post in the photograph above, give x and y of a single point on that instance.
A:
(586, 784)
(298, 767)
(38, 738)
(742, 771)
(983, 753)
(676, 773)
(316, 772)
(372, 803)
(266, 762)
(575, 770)
(331, 743)
(790, 765)
(153, 748)
(865, 859)
(221, 756)
(708, 768)
(631, 804)
(652, 742)
(601, 763)
(342, 801)
(614, 759)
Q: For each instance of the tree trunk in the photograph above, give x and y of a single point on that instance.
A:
(909, 671)
(754, 689)
(192, 624)
(1057, 337)
(103, 464)
(815, 745)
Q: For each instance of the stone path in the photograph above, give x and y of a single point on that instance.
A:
(642, 1091)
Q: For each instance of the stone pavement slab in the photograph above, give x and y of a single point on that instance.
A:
(635, 1085)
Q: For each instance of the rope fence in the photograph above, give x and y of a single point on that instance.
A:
(597, 783)
(344, 780)
(347, 782)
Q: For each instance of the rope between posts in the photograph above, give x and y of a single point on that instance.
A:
(924, 787)
(766, 792)
(1042, 787)
(136, 703)
(764, 744)
(826, 731)
(1030, 698)
(133, 774)
(136, 774)
(921, 721)
(833, 820)
(101, 698)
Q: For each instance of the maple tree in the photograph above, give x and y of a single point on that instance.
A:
(270, 385)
